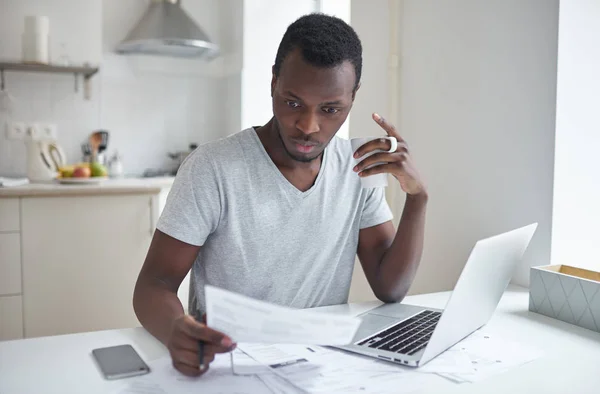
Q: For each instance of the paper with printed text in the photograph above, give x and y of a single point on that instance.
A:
(245, 319)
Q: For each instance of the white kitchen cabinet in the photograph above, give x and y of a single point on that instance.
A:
(9, 214)
(70, 255)
(10, 264)
(81, 258)
(11, 318)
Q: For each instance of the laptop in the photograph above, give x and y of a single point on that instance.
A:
(413, 335)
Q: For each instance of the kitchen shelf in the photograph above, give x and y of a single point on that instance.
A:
(85, 71)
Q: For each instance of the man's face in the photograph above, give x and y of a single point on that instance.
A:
(310, 104)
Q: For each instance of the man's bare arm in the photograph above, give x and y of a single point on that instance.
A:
(159, 310)
(390, 260)
(155, 297)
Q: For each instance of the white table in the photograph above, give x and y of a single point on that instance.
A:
(571, 364)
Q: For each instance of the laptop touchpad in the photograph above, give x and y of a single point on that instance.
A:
(372, 323)
(399, 311)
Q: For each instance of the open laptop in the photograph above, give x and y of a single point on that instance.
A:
(413, 335)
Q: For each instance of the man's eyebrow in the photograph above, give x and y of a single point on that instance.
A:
(291, 94)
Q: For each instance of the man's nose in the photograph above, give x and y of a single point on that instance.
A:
(308, 122)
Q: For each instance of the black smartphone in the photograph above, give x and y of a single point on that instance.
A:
(120, 361)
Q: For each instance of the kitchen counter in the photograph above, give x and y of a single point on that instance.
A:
(136, 185)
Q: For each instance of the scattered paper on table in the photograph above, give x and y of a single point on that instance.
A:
(245, 319)
(316, 369)
(219, 379)
(246, 365)
(242, 364)
(278, 385)
(487, 355)
(294, 368)
(451, 361)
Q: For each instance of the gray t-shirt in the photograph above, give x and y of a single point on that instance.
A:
(260, 235)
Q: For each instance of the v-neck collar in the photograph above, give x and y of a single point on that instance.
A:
(282, 179)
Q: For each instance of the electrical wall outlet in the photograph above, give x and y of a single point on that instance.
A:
(15, 130)
(32, 132)
(46, 131)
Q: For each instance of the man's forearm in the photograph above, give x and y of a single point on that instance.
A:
(156, 307)
(401, 260)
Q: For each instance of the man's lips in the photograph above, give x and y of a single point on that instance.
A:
(304, 146)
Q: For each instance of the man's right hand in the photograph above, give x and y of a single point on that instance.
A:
(183, 345)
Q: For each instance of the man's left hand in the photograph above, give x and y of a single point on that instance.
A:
(398, 163)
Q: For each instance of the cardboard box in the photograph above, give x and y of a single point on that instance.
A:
(566, 293)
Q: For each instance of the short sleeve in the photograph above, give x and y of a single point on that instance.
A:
(375, 209)
(193, 207)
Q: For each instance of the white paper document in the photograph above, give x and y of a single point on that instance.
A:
(242, 364)
(245, 319)
(279, 385)
(314, 369)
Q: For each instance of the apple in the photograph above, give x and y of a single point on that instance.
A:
(98, 170)
(82, 172)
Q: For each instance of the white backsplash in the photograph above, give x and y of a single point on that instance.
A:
(146, 117)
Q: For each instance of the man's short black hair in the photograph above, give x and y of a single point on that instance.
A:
(324, 41)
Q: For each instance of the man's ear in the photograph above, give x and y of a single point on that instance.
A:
(355, 90)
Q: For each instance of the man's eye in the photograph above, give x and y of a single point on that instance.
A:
(331, 110)
(292, 104)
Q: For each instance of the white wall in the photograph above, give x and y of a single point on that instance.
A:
(577, 184)
(230, 95)
(477, 89)
(372, 95)
(478, 109)
(150, 105)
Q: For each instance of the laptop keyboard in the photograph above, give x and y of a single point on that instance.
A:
(407, 337)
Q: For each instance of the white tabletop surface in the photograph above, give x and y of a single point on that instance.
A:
(570, 364)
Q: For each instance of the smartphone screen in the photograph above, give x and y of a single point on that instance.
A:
(120, 362)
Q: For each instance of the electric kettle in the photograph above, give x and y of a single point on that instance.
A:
(44, 158)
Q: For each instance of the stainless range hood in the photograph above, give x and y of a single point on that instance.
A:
(167, 30)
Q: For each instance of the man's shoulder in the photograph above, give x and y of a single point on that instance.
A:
(223, 150)
(225, 145)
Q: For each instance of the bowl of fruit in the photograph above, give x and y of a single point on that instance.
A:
(82, 173)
